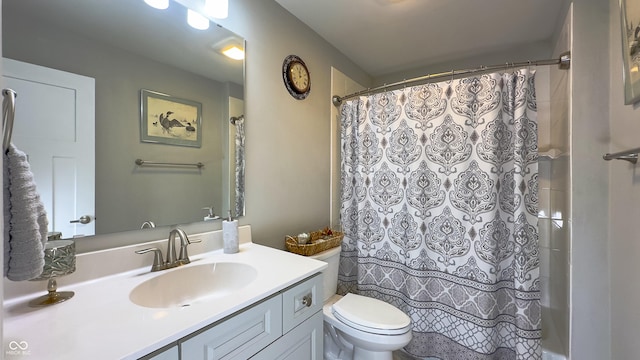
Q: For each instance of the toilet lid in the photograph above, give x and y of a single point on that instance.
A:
(371, 315)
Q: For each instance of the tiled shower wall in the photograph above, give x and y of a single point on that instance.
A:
(552, 92)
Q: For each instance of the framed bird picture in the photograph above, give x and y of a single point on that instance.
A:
(630, 21)
(169, 120)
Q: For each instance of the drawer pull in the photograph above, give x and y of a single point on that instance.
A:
(307, 300)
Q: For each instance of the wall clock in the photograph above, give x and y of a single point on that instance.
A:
(296, 77)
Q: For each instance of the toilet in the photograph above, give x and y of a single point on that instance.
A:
(358, 327)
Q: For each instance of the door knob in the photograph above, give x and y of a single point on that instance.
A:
(84, 219)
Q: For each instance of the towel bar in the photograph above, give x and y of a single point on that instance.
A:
(627, 155)
(141, 162)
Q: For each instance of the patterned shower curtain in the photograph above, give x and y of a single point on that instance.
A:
(439, 211)
(240, 166)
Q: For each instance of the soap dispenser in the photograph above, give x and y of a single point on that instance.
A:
(230, 239)
(210, 215)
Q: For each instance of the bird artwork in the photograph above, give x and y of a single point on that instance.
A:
(168, 124)
(190, 127)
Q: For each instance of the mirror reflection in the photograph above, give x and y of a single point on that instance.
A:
(80, 68)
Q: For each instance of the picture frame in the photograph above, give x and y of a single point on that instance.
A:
(630, 26)
(165, 119)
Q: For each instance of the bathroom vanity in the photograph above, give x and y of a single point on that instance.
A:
(276, 314)
(287, 325)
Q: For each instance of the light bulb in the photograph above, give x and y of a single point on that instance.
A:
(218, 9)
(158, 4)
(196, 20)
(234, 52)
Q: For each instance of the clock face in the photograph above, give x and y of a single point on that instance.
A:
(296, 77)
(299, 77)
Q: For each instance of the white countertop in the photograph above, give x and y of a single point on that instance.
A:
(100, 322)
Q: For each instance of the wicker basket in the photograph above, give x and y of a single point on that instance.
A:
(318, 243)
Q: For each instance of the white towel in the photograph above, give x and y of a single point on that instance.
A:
(25, 219)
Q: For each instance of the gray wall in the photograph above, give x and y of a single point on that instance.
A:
(288, 140)
(127, 195)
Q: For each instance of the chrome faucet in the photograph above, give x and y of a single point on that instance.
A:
(158, 263)
(148, 224)
(183, 258)
(171, 260)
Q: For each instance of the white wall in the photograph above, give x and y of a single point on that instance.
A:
(624, 205)
(559, 191)
(553, 99)
(589, 131)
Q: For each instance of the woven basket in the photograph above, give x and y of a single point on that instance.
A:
(317, 244)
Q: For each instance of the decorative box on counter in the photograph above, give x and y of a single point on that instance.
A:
(319, 241)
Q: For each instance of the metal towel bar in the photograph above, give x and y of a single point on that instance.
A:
(141, 162)
(628, 155)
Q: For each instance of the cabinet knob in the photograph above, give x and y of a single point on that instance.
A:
(307, 300)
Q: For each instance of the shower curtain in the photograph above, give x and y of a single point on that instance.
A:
(240, 166)
(439, 211)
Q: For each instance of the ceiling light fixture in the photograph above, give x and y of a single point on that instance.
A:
(196, 20)
(158, 4)
(218, 9)
(234, 52)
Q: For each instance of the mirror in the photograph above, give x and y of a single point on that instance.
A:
(127, 46)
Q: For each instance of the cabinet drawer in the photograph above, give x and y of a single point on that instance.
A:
(240, 336)
(301, 302)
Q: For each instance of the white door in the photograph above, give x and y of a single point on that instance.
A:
(54, 125)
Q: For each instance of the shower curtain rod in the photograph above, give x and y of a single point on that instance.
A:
(563, 62)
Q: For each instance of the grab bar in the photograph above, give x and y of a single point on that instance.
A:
(141, 162)
(628, 155)
(8, 115)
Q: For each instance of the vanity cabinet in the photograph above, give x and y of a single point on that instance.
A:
(302, 324)
(171, 353)
(287, 325)
(240, 336)
(301, 343)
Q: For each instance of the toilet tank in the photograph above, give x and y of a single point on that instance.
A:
(332, 258)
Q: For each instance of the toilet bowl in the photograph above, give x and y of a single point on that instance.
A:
(358, 327)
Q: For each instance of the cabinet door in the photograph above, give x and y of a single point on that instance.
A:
(240, 336)
(301, 343)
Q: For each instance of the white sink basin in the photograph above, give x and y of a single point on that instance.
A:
(185, 285)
